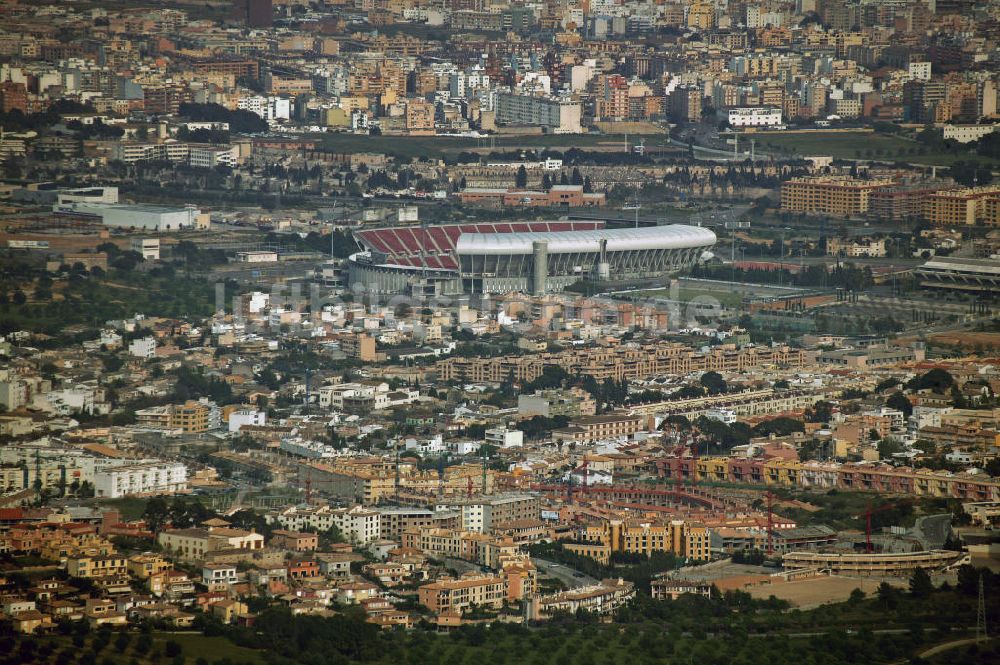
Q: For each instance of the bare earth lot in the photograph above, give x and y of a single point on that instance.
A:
(809, 593)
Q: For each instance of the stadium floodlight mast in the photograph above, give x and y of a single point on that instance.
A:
(634, 205)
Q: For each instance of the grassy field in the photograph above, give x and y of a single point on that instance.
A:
(212, 649)
(436, 147)
(130, 508)
(855, 145)
(135, 647)
(726, 298)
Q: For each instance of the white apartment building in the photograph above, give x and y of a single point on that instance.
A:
(298, 518)
(920, 71)
(754, 117)
(505, 438)
(207, 157)
(268, 108)
(171, 151)
(144, 347)
(555, 115)
(335, 395)
(17, 391)
(358, 524)
(74, 399)
(152, 478)
(149, 248)
(426, 446)
(468, 83)
(238, 419)
(967, 133)
(724, 415)
(218, 573)
(308, 449)
(481, 515)
(110, 339)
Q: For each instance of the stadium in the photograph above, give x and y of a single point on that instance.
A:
(533, 257)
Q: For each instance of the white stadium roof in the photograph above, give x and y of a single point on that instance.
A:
(674, 236)
(984, 267)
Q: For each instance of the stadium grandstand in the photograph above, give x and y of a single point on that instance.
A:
(500, 257)
(960, 274)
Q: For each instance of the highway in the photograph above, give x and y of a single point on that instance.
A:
(933, 530)
(571, 577)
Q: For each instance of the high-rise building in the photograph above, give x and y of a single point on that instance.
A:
(684, 104)
(254, 13)
(13, 96)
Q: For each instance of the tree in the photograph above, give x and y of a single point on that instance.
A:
(888, 447)
(920, 584)
(820, 412)
(856, 597)
(887, 594)
(521, 179)
(172, 649)
(779, 427)
(993, 467)
(714, 383)
(144, 643)
(157, 513)
(681, 422)
(886, 384)
(937, 380)
(898, 401)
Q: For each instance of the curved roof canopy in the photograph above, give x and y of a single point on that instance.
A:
(674, 236)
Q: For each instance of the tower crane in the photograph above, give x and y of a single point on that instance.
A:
(869, 511)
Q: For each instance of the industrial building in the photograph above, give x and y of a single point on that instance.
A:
(147, 217)
(536, 257)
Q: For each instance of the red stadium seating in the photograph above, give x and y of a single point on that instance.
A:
(404, 244)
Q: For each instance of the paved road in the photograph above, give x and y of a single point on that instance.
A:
(462, 566)
(571, 577)
(933, 530)
(948, 646)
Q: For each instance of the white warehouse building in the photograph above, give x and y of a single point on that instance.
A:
(150, 217)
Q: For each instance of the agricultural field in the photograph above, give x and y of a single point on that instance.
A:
(855, 145)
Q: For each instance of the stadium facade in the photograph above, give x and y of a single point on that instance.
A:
(532, 257)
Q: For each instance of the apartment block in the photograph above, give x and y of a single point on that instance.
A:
(140, 480)
(456, 596)
(553, 115)
(589, 429)
(960, 207)
(838, 196)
